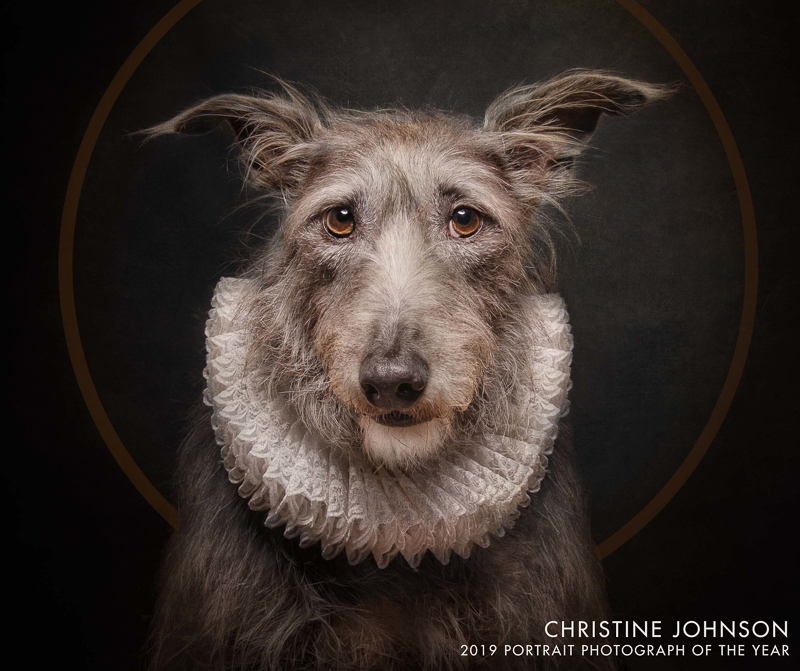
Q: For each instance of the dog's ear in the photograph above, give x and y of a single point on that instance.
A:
(273, 132)
(545, 125)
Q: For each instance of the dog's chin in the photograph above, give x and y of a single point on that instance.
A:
(398, 442)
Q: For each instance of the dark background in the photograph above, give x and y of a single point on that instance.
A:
(654, 287)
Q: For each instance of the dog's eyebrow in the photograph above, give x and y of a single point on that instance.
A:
(450, 192)
(482, 193)
(328, 194)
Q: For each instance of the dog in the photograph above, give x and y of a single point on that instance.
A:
(387, 381)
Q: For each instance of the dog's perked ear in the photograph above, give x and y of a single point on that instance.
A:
(543, 126)
(273, 132)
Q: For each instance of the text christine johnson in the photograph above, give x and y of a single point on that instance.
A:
(654, 629)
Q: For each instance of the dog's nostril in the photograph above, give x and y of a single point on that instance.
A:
(393, 383)
(407, 391)
(370, 392)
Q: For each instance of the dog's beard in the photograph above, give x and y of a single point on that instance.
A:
(326, 494)
(407, 445)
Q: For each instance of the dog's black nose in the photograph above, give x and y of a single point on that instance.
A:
(393, 383)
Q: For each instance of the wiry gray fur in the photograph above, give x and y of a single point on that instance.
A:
(238, 596)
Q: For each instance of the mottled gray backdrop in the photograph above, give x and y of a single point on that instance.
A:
(654, 285)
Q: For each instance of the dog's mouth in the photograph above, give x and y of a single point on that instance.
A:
(397, 419)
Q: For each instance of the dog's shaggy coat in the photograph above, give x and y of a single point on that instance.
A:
(395, 285)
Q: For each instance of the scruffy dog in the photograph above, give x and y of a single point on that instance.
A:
(386, 380)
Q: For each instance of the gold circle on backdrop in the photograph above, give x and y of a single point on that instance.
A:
(157, 500)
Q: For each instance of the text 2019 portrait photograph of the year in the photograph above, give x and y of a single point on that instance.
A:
(402, 336)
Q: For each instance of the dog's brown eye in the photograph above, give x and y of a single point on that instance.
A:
(464, 222)
(339, 221)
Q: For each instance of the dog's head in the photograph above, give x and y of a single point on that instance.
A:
(391, 301)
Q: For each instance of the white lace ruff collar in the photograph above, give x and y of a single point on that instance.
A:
(341, 500)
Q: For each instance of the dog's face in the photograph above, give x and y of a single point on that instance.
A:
(409, 271)
(389, 314)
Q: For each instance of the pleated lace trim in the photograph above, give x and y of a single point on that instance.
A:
(340, 500)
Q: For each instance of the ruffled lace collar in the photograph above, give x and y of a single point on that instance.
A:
(341, 500)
